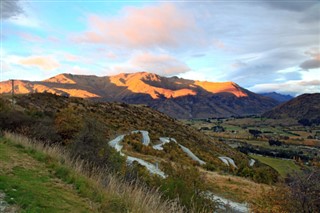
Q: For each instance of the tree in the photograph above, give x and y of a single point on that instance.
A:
(275, 142)
(305, 122)
(67, 124)
(305, 191)
(255, 133)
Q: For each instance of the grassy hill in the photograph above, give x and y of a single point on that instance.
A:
(59, 119)
(85, 128)
(36, 178)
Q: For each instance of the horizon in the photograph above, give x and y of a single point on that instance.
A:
(264, 46)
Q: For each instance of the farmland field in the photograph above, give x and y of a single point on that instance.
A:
(283, 166)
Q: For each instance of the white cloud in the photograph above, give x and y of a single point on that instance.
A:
(159, 25)
(161, 64)
(38, 61)
(289, 87)
(25, 21)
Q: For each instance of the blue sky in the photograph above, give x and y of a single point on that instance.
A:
(261, 45)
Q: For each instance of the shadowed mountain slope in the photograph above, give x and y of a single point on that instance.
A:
(306, 106)
(277, 96)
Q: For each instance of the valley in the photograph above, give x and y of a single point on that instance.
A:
(225, 164)
(271, 141)
(139, 106)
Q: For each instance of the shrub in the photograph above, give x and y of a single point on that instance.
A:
(305, 190)
(254, 132)
(67, 124)
(187, 184)
(90, 144)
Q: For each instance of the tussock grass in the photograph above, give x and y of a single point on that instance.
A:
(111, 193)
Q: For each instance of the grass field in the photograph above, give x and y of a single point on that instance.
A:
(282, 166)
(35, 178)
(29, 184)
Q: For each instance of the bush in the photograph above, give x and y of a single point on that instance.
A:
(305, 190)
(15, 120)
(90, 144)
(67, 124)
(254, 132)
(304, 122)
(275, 142)
(187, 184)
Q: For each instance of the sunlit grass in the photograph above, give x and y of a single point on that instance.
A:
(283, 166)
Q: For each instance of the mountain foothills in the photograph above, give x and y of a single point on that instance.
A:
(59, 119)
(138, 143)
(177, 97)
(305, 108)
(193, 169)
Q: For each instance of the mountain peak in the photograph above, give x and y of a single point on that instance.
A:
(222, 87)
(138, 75)
(64, 78)
(277, 96)
(178, 97)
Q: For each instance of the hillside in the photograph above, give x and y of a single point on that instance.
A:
(115, 119)
(135, 142)
(277, 96)
(35, 178)
(306, 106)
(177, 97)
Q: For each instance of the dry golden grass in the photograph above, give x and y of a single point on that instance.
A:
(135, 197)
(235, 188)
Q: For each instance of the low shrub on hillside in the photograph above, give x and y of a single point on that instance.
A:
(90, 144)
(188, 184)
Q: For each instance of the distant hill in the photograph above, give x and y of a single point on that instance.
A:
(177, 97)
(306, 106)
(277, 96)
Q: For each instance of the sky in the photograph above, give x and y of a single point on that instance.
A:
(262, 45)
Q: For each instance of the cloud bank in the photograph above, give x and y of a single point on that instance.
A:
(162, 25)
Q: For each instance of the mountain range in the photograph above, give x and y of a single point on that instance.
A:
(277, 96)
(177, 97)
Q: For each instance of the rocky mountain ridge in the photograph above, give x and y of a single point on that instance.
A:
(177, 97)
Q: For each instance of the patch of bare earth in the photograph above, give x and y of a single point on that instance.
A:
(5, 207)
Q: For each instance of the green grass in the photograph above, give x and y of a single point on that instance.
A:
(284, 167)
(36, 178)
(29, 184)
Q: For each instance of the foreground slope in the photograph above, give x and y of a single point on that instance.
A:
(306, 106)
(116, 119)
(60, 119)
(147, 144)
(32, 186)
(177, 97)
(37, 178)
